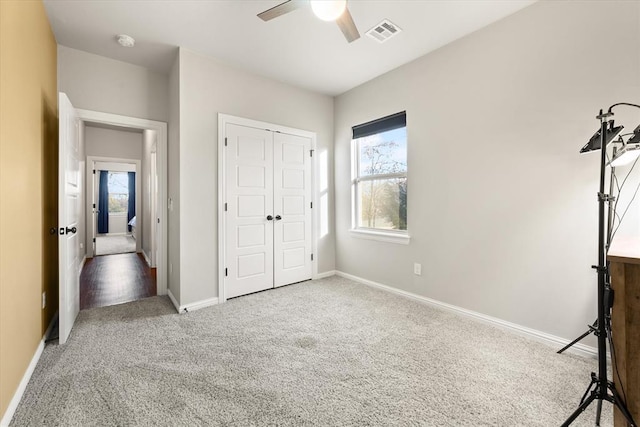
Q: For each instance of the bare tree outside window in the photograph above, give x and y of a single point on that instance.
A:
(381, 182)
(118, 185)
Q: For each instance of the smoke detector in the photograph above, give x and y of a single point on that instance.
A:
(125, 40)
(384, 31)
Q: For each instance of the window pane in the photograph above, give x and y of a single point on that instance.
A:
(118, 183)
(383, 204)
(118, 192)
(383, 153)
(118, 203)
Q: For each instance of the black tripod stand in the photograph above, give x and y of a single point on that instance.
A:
(593, 328)
(600, 388)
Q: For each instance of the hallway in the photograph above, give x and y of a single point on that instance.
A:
(116, 279)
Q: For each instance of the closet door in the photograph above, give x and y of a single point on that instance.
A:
(249, 191)
(292, 209)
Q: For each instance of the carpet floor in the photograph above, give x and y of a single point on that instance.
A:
(330, 352)
(111, 245)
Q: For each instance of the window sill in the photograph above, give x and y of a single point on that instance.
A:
(381, 236)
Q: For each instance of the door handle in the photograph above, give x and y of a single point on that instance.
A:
(269, 218)
(278, 217)
(68, 230)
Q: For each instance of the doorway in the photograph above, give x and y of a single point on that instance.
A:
(73, 223)
(267, 222)
(114, 206)
(151, 203)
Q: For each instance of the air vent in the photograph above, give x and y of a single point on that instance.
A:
(383, 31)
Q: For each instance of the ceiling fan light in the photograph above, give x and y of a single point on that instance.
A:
(328, 10)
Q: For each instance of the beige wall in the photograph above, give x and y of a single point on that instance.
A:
(502, 209)
(28, 140)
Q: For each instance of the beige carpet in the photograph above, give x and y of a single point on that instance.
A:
(328, 353)
(110, 245)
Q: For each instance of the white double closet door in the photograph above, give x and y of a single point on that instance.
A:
(268, 222)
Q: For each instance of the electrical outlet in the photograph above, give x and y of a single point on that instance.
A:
(81, 245)
(44, 299)
(417, 269)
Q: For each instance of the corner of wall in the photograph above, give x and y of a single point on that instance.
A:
(174, 179)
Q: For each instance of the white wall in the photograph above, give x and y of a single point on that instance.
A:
(101, 142)
(94, 82)
(207, 88)
(173, 186)
(149, 143)
(82, 232)
(117, 224)
(502, 209)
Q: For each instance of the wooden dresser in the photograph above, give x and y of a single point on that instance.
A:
(624, 258)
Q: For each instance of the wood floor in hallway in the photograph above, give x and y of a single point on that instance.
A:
(115, 279)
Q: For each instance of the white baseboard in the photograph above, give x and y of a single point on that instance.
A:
(192, 306)
(84, 259)
(324, 274)
(198, 305)
(578, 349)
(174, 301)
(17, 396)
(146, 258)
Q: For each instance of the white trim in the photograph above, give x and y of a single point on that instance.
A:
(174, 301)
(578, 349)
(162, 172)
(223, 120)
(146, 258)
(182, 309)
(324, 275)
(198, 305)
(84, 259)
(17, 396)
(389, 237)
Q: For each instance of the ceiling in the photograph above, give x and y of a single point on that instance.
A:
(296, 48)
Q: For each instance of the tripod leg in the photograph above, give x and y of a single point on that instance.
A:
(579, 411)
(598, 412)
(619, 403)
(595, 324)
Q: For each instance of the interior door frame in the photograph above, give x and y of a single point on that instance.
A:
(223, 120)
(89, 209)
(162, 169)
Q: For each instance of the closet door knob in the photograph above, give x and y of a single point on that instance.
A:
(269, 218)
(278, 217)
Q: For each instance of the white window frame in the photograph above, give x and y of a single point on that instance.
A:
(390, 236)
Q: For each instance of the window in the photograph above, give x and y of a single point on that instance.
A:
(118, 192)
(380, 177)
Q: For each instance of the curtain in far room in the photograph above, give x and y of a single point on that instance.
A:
(131, 212)
(103, 203)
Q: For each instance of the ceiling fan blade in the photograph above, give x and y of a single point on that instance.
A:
(279, 10)
(348, 27)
